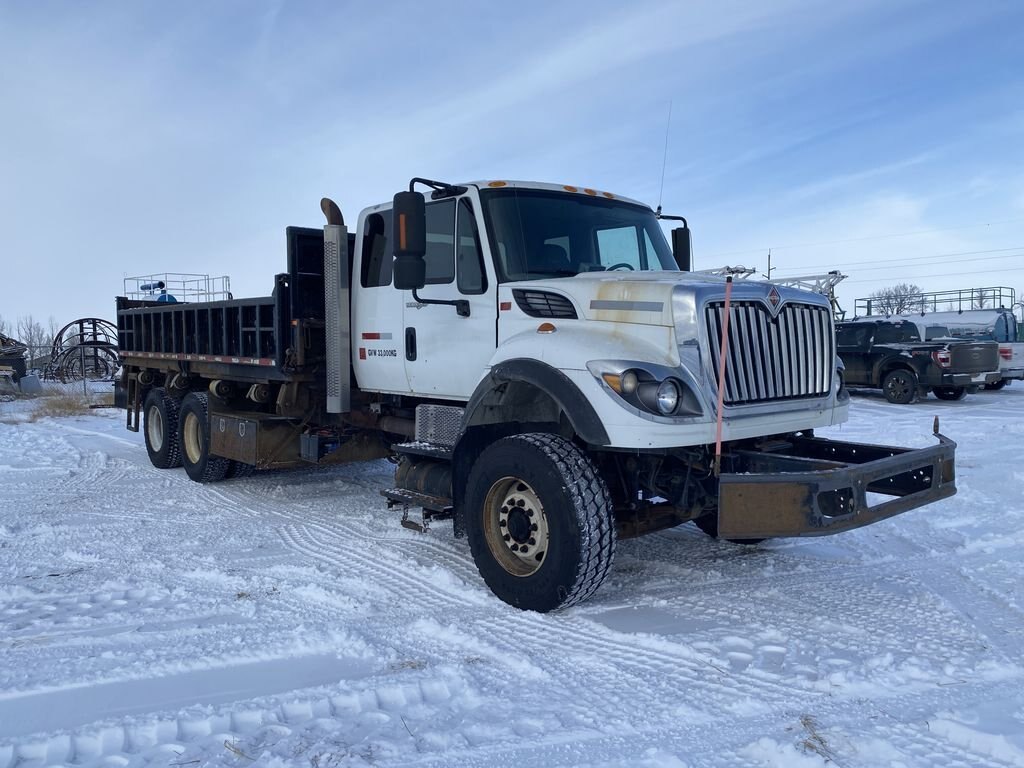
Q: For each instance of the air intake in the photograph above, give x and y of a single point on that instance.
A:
(544, 304)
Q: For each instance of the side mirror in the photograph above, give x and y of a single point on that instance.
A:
(682, 248)
(409, 222)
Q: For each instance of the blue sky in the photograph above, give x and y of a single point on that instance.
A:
(880, 138)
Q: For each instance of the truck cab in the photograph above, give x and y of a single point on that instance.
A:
(584, 284)
(534, 236)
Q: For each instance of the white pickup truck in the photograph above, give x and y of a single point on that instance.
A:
(544, 371)
(997, 325)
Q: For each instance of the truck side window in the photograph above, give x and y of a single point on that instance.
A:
(852, 336)
(440, 254)
(619, 246)
(893, 333)
(469, 260)
(377, 257)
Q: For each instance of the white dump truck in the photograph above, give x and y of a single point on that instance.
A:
(545, 371)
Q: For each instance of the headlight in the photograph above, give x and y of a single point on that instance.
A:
(650, 388)
(668, 396)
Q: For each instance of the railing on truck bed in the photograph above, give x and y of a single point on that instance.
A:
(281, 333)
(239, 328)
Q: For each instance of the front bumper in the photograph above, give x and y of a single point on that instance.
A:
(808, 486)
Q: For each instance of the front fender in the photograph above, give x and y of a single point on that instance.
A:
(551, 381)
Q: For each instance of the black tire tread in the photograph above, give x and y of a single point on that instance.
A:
(913, 392)
(216, 467)
(593, 507)
(238, 469)
(171, 406)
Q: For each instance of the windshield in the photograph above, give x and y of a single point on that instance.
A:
(535, 233)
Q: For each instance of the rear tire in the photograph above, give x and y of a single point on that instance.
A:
(997, 385)
(709, 524)
(194, 436)
(238, 469)
(900, 386)
(539, 522)
(950, 393)
(160, 425)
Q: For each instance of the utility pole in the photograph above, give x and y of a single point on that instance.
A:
(768, 275)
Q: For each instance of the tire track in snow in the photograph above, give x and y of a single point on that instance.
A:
(201, 734)
(352, 561)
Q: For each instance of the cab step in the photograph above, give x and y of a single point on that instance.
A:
(433, 507)
(425, 450)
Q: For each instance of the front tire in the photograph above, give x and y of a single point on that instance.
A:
(194, 436)
(160, 424)
(539, 522)
(995, 387)
(899, 387)
(950, 393)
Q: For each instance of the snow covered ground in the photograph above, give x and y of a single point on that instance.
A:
(287, 619)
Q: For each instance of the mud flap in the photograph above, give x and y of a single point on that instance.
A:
(815, 487)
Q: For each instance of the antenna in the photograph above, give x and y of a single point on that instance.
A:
(664, 159)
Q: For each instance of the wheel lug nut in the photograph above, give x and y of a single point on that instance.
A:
(520, 503)
(529, 513)
(533, 527)
(532, 541)
(503, 523)
(507, 537)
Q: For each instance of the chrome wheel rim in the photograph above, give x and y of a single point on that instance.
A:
(155, 428)
(516, 526)
(193, 438)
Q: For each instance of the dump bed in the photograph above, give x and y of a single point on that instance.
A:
(277, 337)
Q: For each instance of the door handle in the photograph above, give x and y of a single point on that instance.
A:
(410, 343)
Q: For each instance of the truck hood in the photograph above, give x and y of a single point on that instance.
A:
(647, 297)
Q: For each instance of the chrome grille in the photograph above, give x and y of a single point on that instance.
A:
(785, 357)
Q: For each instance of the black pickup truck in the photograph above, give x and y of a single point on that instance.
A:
(890, 355)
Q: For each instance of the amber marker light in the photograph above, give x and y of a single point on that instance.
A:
(590, 192)
(613, 380)
(546, 328)
(623, 383)
(568, 188)
(497, 183)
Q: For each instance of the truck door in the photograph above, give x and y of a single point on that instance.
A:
(445, 354)
(853, 342)
(378, 352)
